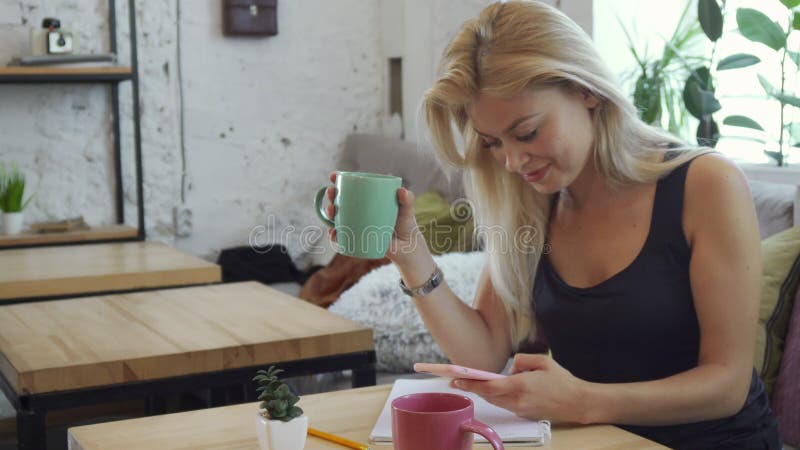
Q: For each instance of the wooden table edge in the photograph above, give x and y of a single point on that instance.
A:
(23, 381)
(101, 233)
(108, 283)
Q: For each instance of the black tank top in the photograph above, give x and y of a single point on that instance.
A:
(641, 325)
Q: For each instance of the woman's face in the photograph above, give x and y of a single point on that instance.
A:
(543, 135)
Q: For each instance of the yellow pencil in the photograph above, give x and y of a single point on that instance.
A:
(337, 439)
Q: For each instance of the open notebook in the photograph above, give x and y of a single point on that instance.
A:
(509, 426)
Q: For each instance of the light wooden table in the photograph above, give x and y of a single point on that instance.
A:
(66, 353)
(350, 413)
(46, 272)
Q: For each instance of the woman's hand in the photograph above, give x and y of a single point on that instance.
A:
(538, 389)
(407, 241)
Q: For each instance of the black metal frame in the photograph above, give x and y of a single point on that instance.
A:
(32, 409)
(113, 80)
(81, 78)
(47, 298)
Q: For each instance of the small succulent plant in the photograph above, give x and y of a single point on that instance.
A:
(277, 400)
(12, 189)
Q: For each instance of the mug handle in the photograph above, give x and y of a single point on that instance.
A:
(318, 206)
(474, 426)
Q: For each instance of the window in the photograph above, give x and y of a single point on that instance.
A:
(738, 90)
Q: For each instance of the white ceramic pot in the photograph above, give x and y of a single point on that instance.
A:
(12, 223)
(279, 435)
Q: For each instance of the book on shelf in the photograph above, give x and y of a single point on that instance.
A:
(60, 226)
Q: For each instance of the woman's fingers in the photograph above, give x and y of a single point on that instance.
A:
(485, 389)
(331, 209)
(405, 197)
(406, 200)
(528, 362)
(331, 194)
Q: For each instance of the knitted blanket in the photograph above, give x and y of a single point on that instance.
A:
(401, 338)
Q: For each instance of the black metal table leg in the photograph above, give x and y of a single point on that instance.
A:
(364, 376)
(235, 394)
(218, 397)
(249, 392)
(31, 430)
(155, 404)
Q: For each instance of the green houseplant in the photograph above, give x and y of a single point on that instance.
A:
(758, 27)
(280, 423)
(699, 92)
(699, 95)
(657, 90)
(12, 192)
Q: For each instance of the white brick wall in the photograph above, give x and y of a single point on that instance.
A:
(265, 118)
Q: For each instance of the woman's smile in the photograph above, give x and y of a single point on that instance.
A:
(536, 175)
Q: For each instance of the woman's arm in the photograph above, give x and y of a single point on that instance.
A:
(725, 269)
(479, 337)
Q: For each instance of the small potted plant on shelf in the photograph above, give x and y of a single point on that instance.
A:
(280, 425)
(12, 191)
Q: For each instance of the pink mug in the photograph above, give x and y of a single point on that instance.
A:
(437, 421)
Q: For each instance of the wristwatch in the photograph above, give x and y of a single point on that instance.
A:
(435, 280)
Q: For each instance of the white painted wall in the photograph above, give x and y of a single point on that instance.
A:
(265, 118)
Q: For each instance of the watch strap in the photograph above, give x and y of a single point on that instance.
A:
(426, 288)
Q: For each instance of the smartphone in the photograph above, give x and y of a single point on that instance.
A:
(454, 371)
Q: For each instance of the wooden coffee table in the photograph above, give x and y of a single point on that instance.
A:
(71, 270)
(350, 413)
(67, 353)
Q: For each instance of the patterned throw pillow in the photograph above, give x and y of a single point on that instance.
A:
(781, 274)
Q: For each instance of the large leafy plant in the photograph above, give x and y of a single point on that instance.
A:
(658, 80)
(699, 89)
(277, 400)
(758, 27)
(12, 190)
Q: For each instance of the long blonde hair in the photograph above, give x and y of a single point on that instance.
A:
(509, 47)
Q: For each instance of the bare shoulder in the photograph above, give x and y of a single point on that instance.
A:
(717, 194)
(715, 171)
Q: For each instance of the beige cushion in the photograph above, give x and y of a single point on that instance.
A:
(774, 206)
(447, 227)
(779, 281)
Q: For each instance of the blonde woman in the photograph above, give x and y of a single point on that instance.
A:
(639, 261)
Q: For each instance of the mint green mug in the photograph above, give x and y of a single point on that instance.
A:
(366, 212)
